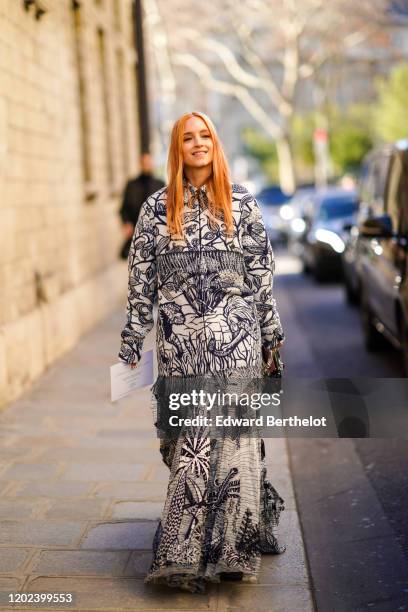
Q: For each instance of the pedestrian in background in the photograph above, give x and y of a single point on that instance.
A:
(200, 248)
(136, 192)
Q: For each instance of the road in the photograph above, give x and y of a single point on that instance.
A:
(352, 494)
(329, 327)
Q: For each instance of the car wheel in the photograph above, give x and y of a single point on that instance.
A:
(319, 275)
(352, 296)
(404, 345)
(373, 340)
(319, 272)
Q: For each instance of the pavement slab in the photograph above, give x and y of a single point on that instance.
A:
(83, 487)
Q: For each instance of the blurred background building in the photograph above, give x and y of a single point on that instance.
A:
(69, 139)
(270, 73)
(300, 92)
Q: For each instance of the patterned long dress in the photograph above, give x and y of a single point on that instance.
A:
(215, 311)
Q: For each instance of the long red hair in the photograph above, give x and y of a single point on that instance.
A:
(218, 186)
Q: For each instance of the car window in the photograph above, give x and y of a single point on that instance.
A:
(373, 183)
(380, 178)
(366, 182)
(337, 209)
(393, 189)
(403, 195)
(397, 194)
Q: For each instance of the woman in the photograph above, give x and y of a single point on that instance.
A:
(201, 248)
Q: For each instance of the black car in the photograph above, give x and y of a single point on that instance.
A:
(334, 214)
(351, 275)
(382, 249)
(371, 189)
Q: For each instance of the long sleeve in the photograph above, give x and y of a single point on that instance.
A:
(142, 286)
(260, 266)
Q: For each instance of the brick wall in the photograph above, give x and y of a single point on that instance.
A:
(68, 142)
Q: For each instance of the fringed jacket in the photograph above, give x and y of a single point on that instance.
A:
(215, 293)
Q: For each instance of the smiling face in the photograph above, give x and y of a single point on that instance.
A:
(198, 146)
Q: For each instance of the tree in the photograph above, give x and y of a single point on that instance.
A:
(391, 116)
(263, 149)
(259, 51)
(351, 136)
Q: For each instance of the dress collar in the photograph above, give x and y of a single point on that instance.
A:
(195, 191)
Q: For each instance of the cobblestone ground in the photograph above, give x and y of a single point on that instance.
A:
(82, 488)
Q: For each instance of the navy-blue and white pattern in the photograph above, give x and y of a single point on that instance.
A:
(215, 298)
(215, 311)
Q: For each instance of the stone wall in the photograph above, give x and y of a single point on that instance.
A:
(68, 142)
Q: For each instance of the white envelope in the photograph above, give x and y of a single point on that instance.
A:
(124, 380)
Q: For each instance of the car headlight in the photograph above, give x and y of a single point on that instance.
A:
(330, 238)
(298, 225)
(286, 212)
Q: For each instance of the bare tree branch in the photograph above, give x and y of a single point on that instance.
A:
(265, 48)
(237, 72)
(203, 72)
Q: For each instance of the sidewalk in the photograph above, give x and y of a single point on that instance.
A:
(81, 489)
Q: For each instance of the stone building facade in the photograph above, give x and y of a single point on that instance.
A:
(68, 141)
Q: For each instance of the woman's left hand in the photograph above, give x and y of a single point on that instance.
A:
(268, 359)
(274, 348)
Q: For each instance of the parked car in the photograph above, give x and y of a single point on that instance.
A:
(351, 276)
(381, 251)
(371, 190)
(334, 213)
(271, 199)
